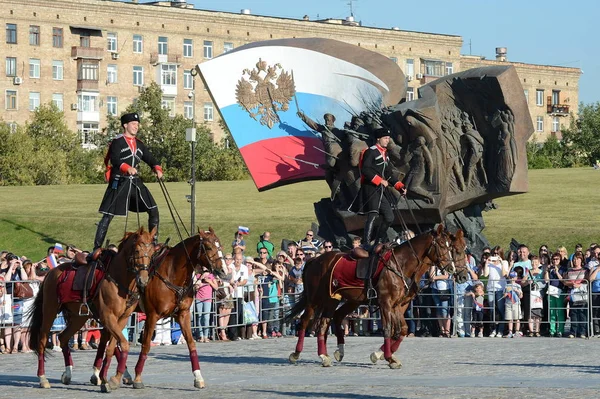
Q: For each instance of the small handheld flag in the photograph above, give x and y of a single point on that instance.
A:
(243, 230)
(51, 261)
(58, 248)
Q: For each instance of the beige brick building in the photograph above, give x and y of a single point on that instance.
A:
(92, 57)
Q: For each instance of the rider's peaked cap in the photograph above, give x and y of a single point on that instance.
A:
(381, 132)
(132, 117)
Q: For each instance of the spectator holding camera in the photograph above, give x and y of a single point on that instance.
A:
(14, 273)
(496, 270)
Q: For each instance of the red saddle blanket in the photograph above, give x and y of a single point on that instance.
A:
(343, 275)
(64, 287)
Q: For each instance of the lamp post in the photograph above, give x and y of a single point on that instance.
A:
(190, 135)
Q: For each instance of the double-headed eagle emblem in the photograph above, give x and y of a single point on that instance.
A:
(265, 90)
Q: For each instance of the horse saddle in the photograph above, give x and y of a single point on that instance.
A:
(366, 265)
(84, 276)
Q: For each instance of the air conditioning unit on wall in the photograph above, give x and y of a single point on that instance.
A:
(419, 76)
(17, 80)
(409, 78)
(74, 107)
(115, 56)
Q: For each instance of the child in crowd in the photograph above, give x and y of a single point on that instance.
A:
(512, 308)
(478, 295)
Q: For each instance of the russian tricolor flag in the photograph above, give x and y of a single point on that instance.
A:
(51, 261)
(58, 248)
(244, 230)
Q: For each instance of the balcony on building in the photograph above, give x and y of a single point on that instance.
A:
(558, 109)
(87, 53)
(156, 58)
(87, 85)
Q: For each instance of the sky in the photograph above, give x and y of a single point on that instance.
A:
(547, 32)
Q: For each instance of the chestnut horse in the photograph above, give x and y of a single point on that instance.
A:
(170, 292)
(114, 295)
(398, 282)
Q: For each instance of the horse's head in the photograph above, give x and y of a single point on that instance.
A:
(210, 255)
(459, 253)
(440, 252)
(141, 248)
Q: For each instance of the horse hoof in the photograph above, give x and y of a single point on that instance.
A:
(64, 379)
(138, 385)
(113, 383)
(395, 363)
(375, 356)
(199, 384)
(104, 388)
(44, 383)
(338, 355)
(294, 357)
(94, 380)
(325, 361)
(127, 379)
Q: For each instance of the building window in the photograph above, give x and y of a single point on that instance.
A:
(88, 71)
(84, 39)
(163, 45)
(227, 47)
(138, 76)
(449, 68)
(34, 68)
(410, 94)
(57, 70)
(57, 100)
(12, 126)
(11, 33)
(57, 37)
(34, 35)
(11, 99)
(188, 48)
(208, 49)
(540, 124)
(208, 112)
(410, 67)
(112, 42)
(111, 73)
(111, 105)
(555, 97)
(87, 132)
(188, 80)
(432, 67)
(138, 44)
(539, 97)
(168, 103)
(526, 93)
(395, 59)
(168, 73)
(11, 66)
(188, 110)
(555, 124)
(87, 103)
(34, 100)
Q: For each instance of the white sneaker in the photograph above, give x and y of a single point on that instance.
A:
(56, 348)
(255, 336)
(480, 335)
(492, 334)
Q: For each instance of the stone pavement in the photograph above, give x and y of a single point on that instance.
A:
(433, 368)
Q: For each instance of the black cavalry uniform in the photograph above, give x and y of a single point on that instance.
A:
(124, 192)
(371, 200)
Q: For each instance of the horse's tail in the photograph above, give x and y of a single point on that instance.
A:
(296, 309)
(36, 317)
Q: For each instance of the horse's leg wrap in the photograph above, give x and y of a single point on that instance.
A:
(322, 344)
(41, 365)
(99, 355)
(105, 366)
(387, 350)
(139, 367)
(67, 355)
(396, 344)
(122, 364)
(300, 343)
(194, 360)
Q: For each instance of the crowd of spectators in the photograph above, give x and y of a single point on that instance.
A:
(508, 295)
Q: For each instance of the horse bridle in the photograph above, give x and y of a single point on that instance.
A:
(435, 245)
(211, 259)
(134, 265)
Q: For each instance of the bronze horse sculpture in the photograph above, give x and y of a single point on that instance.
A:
(169, 292)
(401, 268)
(115, 294)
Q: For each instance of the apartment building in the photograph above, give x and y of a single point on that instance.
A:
(92, 58)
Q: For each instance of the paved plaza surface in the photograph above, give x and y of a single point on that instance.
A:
(433, 368)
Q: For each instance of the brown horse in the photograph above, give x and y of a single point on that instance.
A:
(400, 269)
(113, 297)
(170, 292)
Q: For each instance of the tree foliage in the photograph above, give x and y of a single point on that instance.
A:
(582, 138)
